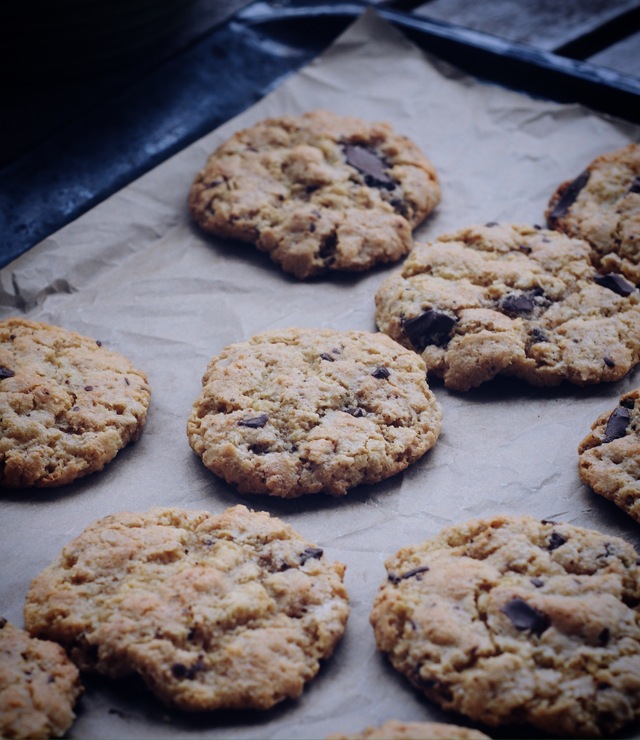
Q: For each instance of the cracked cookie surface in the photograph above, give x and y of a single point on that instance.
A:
(609, 456)
(602, 206)
(67, 404)
(39, 686)
(318, 192)
(301, 411)
(514, 621)
(505, 299)
(213, 611)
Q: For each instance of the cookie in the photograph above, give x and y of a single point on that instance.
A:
(504, 299)
(68, 405)
(609, 456)
(213, 611)
(397, 730)
(39, 686)
(602, 206)
(301, 411)
(318, 192)
(514, 621)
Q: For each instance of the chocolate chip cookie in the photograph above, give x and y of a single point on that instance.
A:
(609, 456)
(504, 299)
(213, 611)
(514, 621)
(302, 411)
(39, 686)
(319, 192)
(68, 405)
(397, 730)
(602, 206)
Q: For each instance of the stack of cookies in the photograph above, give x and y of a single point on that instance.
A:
(505, 621)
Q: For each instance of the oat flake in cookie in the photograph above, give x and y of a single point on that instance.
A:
(39, 686)
(302, 411)
(318, 192)
(213, 611)
(67, 404)
(514, 621)
(602, 206)
(503, 299)
(609, 456)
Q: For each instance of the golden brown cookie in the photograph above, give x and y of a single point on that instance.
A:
(39, 686)
(67, 404)
(300, 411)
(213, 611)
(319, 192)
(514, 621)
(602, 206)
(397, 730)
(505, 299)
(609, 456)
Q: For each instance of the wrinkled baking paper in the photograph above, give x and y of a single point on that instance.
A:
(136, 274)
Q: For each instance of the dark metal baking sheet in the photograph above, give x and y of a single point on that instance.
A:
(233, 66)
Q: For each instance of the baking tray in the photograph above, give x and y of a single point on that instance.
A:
(111, 144)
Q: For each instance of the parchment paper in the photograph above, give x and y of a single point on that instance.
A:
(137, 275)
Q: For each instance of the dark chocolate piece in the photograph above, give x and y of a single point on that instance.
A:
(609, 362)
(254, 422)
(430, 327)
(88, 387)
(309, 553)
(369, 164)
(517, 303)
(538, 335)
(614, 282)
(180, 670)
(568, 198)
(409, 574)
(603, 637)
(355, 411)
(382, 372)
(617, 424)
(635, 185)
(537, 582)
(5, 373)
(525, 617)
(326, 356)
(556, 540)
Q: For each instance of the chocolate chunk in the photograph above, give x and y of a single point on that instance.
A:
(326, 356)
(88, 387)
(430, 327)
(489, 224)
(327, 251)
(355, 411)
(556, 540)
(180, 670)
(526, 249)
(635, 185)
(370, 165)
(310, 553)
(254, 422)
(537, 582)
(614, 282)
(517, 303)
(409, 574)
(603, 637)
(538, 335)
(609, 362)
(567, 199)
(6, 373)
(525, 617)
(381, 372)
(617, 424)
